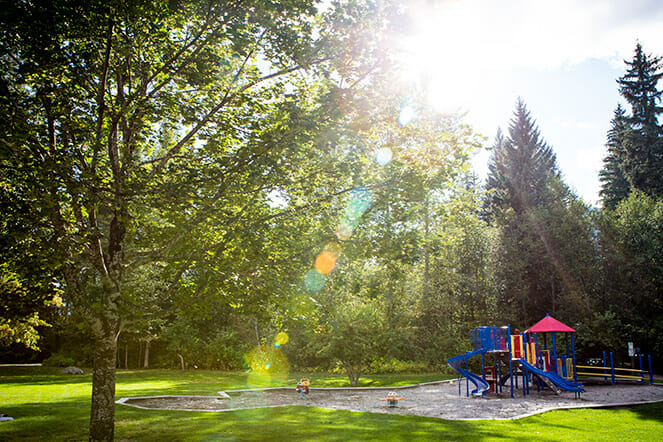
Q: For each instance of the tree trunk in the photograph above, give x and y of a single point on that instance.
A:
(353, 374)
(146, 361)
(426, 284)
(102, 414)
(140, 355)
(126, 355)
(255, 323)
(181, 360)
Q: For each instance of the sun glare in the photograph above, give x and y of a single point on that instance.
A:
(440, 55)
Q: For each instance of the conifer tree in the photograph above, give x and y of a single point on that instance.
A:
(538, 269)
(519, 166)
(642, 139)
(614, 185)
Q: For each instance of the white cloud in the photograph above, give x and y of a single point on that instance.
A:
(512, 34)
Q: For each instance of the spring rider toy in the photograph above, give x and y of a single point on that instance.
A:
(392, 399)
(302, 387)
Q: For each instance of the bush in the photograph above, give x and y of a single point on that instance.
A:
(58, 360)
(393, 366)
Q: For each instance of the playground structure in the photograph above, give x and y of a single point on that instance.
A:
(526, 354)
(530, 356)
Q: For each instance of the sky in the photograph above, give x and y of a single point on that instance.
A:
(561, 57)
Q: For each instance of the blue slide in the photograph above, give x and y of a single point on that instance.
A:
(457, 361)
(553, 378)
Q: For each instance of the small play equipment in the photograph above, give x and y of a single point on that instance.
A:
(523, 355)
(607, 372)
(302, 387)
(392, 399)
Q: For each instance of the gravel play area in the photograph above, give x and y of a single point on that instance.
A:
(438, 399)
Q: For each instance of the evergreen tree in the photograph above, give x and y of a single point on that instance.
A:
(520, 166)
(538, 269)
(614, 185)
(642, 140)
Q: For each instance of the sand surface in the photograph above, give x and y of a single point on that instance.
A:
(434, 400)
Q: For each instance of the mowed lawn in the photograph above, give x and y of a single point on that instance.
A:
(49, 406)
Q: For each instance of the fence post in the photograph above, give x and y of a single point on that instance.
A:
(612, 368)
(605, 365)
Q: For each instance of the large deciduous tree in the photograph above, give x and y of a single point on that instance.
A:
(632, 246)
(161, 133)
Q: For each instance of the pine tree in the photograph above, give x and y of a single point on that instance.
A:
(529, 205)
(642, 139)
(520, 166)
(614, 185)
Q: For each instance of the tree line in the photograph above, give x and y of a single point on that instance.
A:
(242, 185)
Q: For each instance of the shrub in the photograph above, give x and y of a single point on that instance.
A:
(392, 366)
(58, 360)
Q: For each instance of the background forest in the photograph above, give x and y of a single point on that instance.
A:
(243, 186)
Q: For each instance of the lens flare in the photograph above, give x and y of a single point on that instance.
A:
(359, 201)
(344, 230)
(325, 262)
(314, 280)
(282, 338)
(407, 115)
(383, 156)
(268, 365)
(334, 248)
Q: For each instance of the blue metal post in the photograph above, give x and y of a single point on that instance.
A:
(642, 373)
(553, 358)
(573, 346)
(612, 368)
(467, 380)
(567, 345)
(651, 376)
(483, 369)
(499, 376)
(511, 375)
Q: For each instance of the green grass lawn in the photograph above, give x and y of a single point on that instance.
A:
(49, 406)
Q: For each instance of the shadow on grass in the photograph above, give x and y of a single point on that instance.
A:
(650, 412)
(66, 420)
(287, 423)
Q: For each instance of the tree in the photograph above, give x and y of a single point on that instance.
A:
(539, 270)
(519, 167)
(28, 271)
(462, 293)
(614, 185)
(353, 334)
(643, 138)
(155, 132)
(632, 245)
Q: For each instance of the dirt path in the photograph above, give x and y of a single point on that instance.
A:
(434, 400)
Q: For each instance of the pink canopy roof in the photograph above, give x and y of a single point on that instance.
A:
(548, 325)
